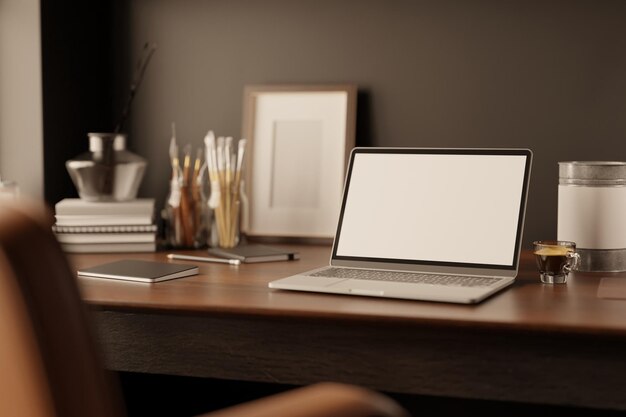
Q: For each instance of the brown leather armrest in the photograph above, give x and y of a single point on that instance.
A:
(320, 400)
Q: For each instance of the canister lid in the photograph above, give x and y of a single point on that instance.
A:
(592, 173)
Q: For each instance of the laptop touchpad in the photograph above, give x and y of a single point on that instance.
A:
(364, 287)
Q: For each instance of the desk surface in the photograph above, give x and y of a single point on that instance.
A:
(242, 290)
(531, 342)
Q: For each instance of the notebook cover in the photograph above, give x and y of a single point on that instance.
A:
(79, 238)
(80, 207)
(137, 270)
(109, 247)
(255, 253)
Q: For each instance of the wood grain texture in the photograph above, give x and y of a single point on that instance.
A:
(242, 290)
(531, 343)
(429, 360)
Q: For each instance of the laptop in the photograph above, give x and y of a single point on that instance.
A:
(426, 224)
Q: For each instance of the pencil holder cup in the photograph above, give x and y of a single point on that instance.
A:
(186, 214)
(228, 207)
(227, 200)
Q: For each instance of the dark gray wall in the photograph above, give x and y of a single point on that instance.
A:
(547, 75)
(77, 67)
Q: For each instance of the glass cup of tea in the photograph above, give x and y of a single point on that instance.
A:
(555, 260)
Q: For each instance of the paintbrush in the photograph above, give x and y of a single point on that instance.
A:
(235, 209)
(186, 213)
(186, 163)
(197, 165)
(175, 192)
(228, 144)
(174, 153)
(213, 162)
(196, 207)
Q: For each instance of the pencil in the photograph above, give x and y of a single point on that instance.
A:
(203, 259)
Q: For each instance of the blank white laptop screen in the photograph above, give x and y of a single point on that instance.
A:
(442, 208)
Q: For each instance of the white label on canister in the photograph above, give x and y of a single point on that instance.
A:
(593, 217)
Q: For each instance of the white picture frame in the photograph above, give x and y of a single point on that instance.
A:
(300, 137)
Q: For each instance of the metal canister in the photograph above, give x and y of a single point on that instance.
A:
(592, 212)
(108, 172)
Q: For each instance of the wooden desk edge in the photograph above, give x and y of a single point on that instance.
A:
(361, 319)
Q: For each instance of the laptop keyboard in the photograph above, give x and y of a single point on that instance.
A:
(408, 277)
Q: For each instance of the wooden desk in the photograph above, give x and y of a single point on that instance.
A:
(532, 343)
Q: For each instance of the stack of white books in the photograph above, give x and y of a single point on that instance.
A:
(92, 227)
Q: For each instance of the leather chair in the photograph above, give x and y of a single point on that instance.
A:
(49, 364)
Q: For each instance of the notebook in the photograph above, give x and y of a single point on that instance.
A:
(426, 224)
(139, 271)
(251, 253)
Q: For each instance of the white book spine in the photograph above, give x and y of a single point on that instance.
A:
(76, 206)
(133, 228)
(105, 237)
(102, 220)
(108, 247)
